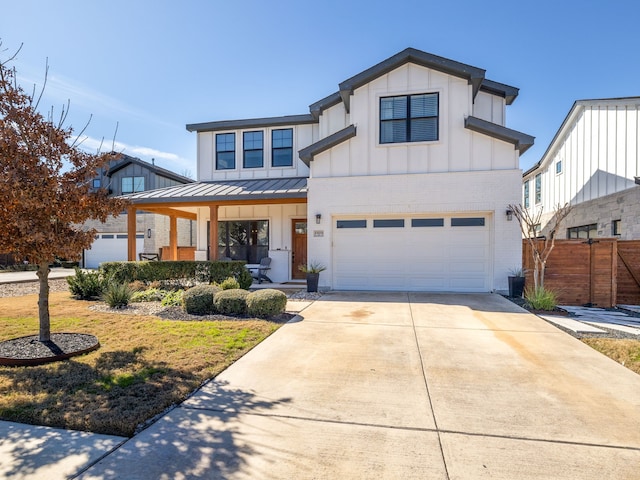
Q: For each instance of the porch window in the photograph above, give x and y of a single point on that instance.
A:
(246, 240)
(282, 147)
(225, 151)
(253, 147)
(409, 118)
(132, 185)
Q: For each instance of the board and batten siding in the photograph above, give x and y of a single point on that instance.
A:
(456, 150)
(599, 153)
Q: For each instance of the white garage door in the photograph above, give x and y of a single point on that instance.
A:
(110, 247)
(446, 254)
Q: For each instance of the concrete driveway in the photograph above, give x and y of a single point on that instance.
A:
(397, 385)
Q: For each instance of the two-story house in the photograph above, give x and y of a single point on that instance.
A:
(592, 163)
(126, 175)
(400, 180)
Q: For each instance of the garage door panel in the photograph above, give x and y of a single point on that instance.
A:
(110, 247)
(440, 258)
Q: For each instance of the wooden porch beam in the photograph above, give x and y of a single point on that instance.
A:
(213, 232)
(173, 237)
(172, 212)
(131, 233)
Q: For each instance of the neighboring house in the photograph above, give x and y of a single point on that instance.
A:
(398, 181)
(592, 163)
(126, 175)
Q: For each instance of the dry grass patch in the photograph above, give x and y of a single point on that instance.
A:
(143, 366)
(623, 351)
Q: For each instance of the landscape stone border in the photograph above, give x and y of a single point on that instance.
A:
(29, 351)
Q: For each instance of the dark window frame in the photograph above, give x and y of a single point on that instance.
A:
(134, 184)
(351, 224)
(409, 119)
(616, 227)
(538, 180)
(574, 232)
(249, 244)
(221, 140)
(427, 222)
(252, 150)
(280, 150)
(527, 194)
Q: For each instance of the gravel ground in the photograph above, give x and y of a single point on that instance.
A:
(609, 332)
(28, 288)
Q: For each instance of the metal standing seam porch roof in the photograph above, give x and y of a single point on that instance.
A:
(224, 191)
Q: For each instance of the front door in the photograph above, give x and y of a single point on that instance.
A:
(298, 247)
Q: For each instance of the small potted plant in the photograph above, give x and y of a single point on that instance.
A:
(516, 282)
(312, 270)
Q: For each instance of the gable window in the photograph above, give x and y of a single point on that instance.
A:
(583, 231)
(253, 149)
(282, 147)
(538, 188)
(558, 167)
(409, 118)
(97, 183)
(225, 151)
(132, 184)
(526, 194)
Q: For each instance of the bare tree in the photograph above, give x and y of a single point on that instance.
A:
(540, 248)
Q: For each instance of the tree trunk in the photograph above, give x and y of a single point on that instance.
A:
(43, 303)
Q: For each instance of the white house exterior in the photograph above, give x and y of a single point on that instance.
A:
(398, 181)
(592, 164)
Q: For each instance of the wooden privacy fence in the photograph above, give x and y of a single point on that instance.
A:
(603, 272)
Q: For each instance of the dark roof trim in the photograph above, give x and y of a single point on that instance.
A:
(520, 140)
(307, 153)
(473, 75)
(507, 92)
(320, 106)
(163, 172)
(252, 123)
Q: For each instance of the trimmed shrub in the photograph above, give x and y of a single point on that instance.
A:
(231, 302)
(266, 303)
(117, 295)
(149, 295)
(198, 300)
(85, 286)
(229, 283)
(177, 272)
(173, 299)
(541, 298)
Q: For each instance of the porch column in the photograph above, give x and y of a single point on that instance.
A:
(213, 232)
(173, 237)
(131, 234)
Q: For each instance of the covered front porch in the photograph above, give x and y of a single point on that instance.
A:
(247, 220)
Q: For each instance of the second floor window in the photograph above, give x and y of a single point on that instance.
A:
(282, 147)
(538, 188)
(253, 149)
(526, 194)
(409, 118)
(132, 184)
(225, 151)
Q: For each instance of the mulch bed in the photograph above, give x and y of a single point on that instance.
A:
(31, 351)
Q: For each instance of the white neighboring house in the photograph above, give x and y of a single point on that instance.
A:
(124, 175)
(400, 180)
(592, 163)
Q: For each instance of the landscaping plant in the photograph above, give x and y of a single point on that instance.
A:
(231, 302)
(266, 303)
(198, 300)
(173, 299)
(86, 285)
(541, 298)
(229, 283)
(117, 295)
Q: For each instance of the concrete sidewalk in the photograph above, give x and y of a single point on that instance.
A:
(397, 385)
(20, 277)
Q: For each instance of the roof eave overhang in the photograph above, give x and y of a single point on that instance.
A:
(307, 153)
(286, 120)
(503, 90)
(297, 197)
(473, 75)
(520, 141)
(320, 106)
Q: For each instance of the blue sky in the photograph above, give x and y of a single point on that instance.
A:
(153, 67)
